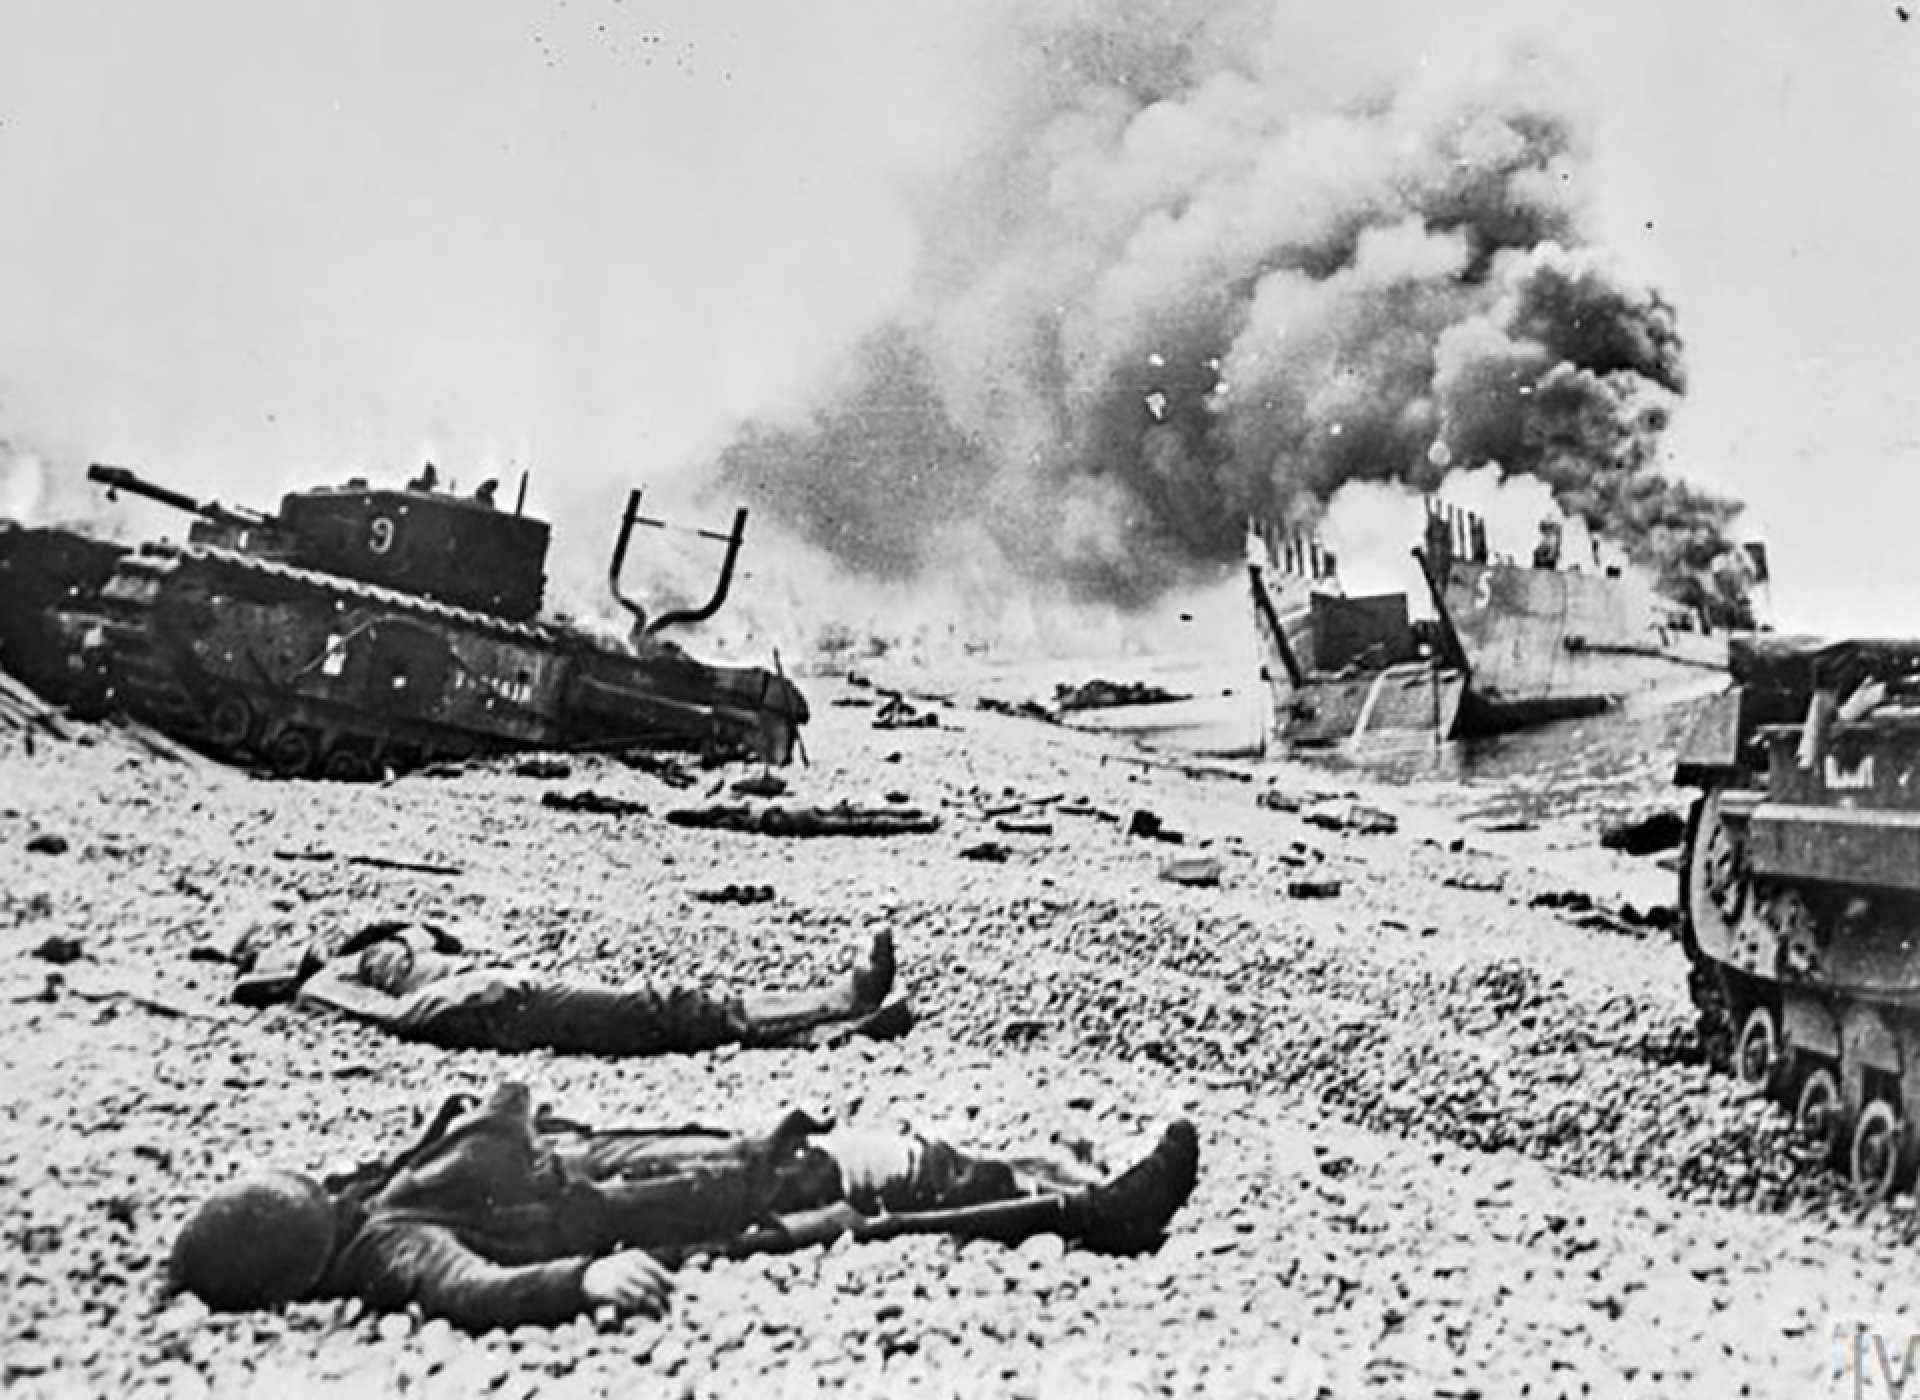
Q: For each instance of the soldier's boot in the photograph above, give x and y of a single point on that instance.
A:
(1125, 1215)
(1130, 1213)
(769, 1018)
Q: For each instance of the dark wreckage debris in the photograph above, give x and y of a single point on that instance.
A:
(843, 820)
(1110, 695)
(900, 713)
(593, 803)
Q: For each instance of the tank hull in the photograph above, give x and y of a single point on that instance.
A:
(1800, 892)
(320, 675)
(45, 575)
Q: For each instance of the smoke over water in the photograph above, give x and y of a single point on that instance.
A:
(1184, 284)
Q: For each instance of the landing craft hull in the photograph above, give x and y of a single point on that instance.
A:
(1415, 703)
(1547, 644)
(1356, 707)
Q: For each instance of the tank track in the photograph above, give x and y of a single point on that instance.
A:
(259, 721)
(1706, 983)
(1828, 1056)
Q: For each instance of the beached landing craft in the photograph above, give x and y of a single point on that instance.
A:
(1800, 891)
(361, 628)
(1510, 645)
(1545, 640)
(1340, 670)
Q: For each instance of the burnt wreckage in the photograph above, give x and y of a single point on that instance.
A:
(361, 628)
(1800, 891)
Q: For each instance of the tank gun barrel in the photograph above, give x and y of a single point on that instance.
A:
(118, 479)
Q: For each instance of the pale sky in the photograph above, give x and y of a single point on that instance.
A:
(248, 244)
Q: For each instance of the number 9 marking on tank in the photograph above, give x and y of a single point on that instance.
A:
(380, 535)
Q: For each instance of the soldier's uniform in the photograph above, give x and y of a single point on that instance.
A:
(408, 979)
(496, 1216)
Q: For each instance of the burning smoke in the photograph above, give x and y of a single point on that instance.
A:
(33, 492)
(1182, 287)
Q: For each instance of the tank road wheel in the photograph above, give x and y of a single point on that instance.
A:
(1714, 875)
(292, 754)
(1818, 1113)
(1757, 1059)
(347, 765)
(230, 725)
(1879, 1160)
(1713, 897)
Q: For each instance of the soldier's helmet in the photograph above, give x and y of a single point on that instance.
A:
(256, 1243)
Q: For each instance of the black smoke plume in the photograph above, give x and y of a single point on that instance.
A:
(1169, 295)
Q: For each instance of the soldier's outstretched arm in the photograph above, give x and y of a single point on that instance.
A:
(392, 1264)
(335, 988)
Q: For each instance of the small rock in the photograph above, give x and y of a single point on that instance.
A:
(1362, 820)
(735, 894)
(1027, 827)
(47, 843)
(1313, 889)
(1475, 880)
(1196, 870)
(30, 1359)
(760, 785)
(1371, 821)
(59, 949)
(436, 1341)
(1042, 1250)
(177, 1378)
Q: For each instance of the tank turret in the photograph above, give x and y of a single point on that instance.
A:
(453, 549)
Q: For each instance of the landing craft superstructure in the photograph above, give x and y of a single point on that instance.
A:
(361, 628)
(1544, 640)
(1800, 891)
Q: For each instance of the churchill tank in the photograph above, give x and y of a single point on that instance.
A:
(362, 628)
(1800, 891)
